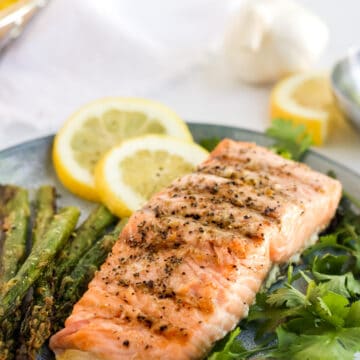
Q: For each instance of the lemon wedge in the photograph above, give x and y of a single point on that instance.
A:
(305, 98)
(130, 173)
(100, 125)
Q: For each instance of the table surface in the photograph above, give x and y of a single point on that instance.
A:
(45, 75)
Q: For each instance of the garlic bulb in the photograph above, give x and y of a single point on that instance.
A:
(268, 39)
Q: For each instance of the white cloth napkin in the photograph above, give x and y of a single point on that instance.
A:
(75, 51)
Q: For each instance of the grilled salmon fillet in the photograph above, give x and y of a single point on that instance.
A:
(187, 265)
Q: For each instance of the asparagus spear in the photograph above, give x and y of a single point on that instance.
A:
(75, 284)
(93, 227)
(16, 213)
(9, 328)
(45, 207)
(42, 253)
(36, 325)
(7, 192)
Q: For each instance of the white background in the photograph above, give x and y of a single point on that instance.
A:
(168, 50)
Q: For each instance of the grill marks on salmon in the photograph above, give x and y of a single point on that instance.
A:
(305, 199)
(188, 265)
(175, 295)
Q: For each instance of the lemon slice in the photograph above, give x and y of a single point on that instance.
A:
(306, 99)
(6, 3)
(100, 125)
(130, 173)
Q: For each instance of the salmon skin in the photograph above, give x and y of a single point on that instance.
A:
(187, 266)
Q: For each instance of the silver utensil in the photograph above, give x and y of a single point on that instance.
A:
(14, 18)
(345, 81)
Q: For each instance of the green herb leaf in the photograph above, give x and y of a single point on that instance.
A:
(292, 140)
(330, 345)
(269, 317)
(229, 347)
(345, 285)
(353, 318)
(332, 264)
(210, 143)
(324, 242)
(288, 296)
(333, 308)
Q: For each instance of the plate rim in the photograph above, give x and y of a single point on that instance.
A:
(46, 138)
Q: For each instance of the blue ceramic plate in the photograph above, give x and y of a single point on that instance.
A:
(29, 164)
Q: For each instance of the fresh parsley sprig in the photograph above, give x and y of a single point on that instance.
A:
(302, 322)
(210, 143)
(292, 141)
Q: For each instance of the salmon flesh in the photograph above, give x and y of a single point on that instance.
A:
(188, 265)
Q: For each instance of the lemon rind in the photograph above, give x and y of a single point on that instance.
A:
(282, 105)
(118, 196)
(79, 180)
